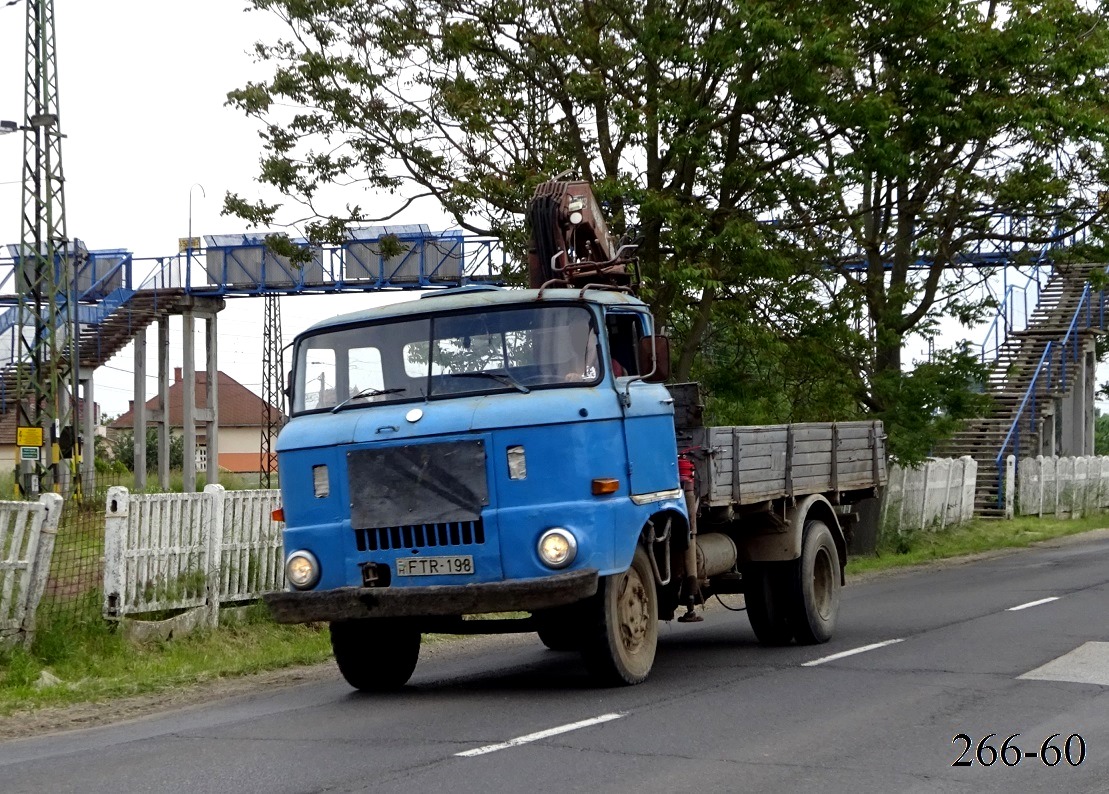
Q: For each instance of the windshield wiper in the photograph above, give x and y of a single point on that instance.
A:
(367, 392)
(500, 377)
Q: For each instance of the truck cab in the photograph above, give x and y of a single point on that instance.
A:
(480, 450)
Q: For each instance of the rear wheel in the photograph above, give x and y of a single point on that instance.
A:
(375, 655)
(619, 646)
(815, 609)
(766, 592)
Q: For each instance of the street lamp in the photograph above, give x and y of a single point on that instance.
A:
(190, 243)
(203, 195)
(38, 121)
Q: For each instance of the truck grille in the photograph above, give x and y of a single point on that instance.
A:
(421, 536)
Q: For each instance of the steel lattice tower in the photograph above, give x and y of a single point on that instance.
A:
(47, 342)
(273, 388)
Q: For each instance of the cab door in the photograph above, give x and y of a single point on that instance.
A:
(648, 408)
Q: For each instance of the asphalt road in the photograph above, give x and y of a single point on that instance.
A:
(973, 648)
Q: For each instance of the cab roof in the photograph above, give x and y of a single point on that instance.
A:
(479, 296)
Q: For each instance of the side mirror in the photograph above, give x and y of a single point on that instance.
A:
(289, 386)
(654, 358)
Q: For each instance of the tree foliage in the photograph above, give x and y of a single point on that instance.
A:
(1101, 434)
(958, 127)
(122, 449)
(801, 177)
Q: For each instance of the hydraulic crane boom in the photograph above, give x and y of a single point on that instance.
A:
(570, 243)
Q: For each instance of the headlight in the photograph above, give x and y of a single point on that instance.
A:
(558, 547)
(302, 570)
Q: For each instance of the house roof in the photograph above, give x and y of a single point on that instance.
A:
(238, 405)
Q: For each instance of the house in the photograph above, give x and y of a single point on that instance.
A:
(241, 416)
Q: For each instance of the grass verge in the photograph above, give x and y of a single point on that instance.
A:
(924, 546)
(95, 663)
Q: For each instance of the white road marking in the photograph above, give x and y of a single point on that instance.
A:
(851, 652)
(1086, 664)
(1033, 604)
(534, 737)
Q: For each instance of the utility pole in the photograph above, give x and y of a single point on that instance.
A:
(47, 358)
(273, 388)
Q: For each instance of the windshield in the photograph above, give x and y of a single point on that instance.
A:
(513, 349)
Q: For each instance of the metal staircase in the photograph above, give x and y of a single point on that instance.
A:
(1032, 366)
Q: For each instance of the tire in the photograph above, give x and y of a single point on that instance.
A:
(816, 603)
(766, 593)
(622, 637)
(560, 629)
(375, 655)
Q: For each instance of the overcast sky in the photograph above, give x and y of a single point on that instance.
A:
(142, 86)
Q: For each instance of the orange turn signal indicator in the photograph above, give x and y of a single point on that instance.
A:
(605, 485)
(278, 514)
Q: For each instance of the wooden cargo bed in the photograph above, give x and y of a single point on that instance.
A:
(750, 464)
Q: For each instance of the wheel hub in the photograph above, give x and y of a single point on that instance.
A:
(633, 611)
(822, 584)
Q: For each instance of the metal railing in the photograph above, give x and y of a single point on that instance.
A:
(1012, 316)
(1050, 375)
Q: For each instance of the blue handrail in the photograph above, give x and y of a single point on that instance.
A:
(1014, 430)
(1068, 344)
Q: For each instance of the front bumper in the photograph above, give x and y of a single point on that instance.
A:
(356, 603)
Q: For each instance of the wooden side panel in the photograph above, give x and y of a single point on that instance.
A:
(757, 463)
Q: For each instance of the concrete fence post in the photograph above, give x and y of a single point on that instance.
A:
(1039, 492)
(1029, 490)
(116, 517)
(924, 495)
(213, 528)
(903, 497)
(968, 487)
(1078, 493)
(1010, 483)
(1103, 491)
(947, 493)
(40, 565)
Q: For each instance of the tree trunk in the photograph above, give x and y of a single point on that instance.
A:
(692, 345)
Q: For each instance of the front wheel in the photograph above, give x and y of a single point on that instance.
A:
(619, 646)
(560, 629)
(818, 586)
(375, 655)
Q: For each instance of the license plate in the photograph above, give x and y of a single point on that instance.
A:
(435, 566)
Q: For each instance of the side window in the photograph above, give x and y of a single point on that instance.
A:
(624, 332)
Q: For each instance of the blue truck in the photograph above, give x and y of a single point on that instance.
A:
(488, 460)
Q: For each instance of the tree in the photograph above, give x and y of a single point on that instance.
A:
(956, 126)
(1101, 434)
(781, 163)
(122, 448)
(679, 113)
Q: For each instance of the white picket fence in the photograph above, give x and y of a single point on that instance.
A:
(936, 495)
(1063, 486)
(168, 552)
(27, 534)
